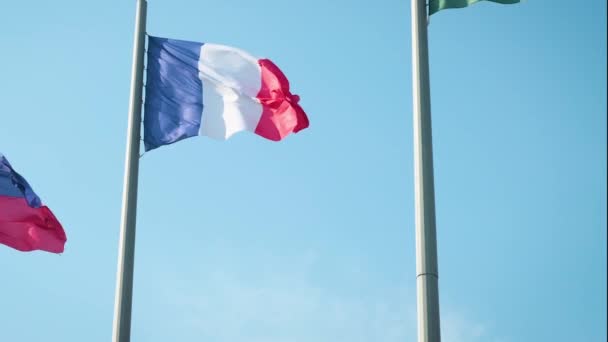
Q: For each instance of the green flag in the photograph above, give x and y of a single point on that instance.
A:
(438, 5)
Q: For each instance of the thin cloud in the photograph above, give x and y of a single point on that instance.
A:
(222, 305)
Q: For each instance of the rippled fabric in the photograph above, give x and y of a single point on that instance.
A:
(438, 5)
(26, 224)
(215, 91)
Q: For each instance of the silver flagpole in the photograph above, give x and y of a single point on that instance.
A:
(126, 247)
(426, 241)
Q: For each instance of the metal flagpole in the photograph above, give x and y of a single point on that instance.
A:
(126, 247)
(426, 239)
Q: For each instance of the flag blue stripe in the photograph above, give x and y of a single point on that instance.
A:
(7, 188)
(174, 93)
(13, 184)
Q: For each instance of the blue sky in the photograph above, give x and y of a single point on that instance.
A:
(312, 239)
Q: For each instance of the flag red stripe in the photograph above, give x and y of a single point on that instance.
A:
(281, 112)
(26, 229)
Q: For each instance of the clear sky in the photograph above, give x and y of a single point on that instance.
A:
(312, 238)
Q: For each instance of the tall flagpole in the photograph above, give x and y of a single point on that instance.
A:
(126, 247)
(426, 240)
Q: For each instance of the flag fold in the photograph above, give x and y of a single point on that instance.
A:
(26, 224)
(438, 5)
(216, 91)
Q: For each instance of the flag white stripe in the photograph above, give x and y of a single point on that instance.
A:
(231, 80)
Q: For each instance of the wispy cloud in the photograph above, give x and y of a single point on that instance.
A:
(458, 327)
(229, 309)
(222, 305)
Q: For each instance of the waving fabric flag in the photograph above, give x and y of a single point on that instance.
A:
(26, 224)
(438, 5)
(214, 90)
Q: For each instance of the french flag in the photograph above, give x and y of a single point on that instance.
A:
(216, 91)
(26, 224)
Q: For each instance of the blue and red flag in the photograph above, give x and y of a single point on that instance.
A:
(26, 224)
